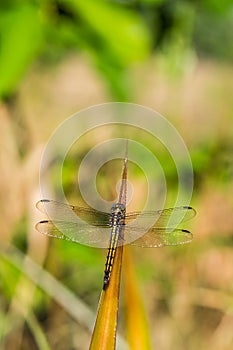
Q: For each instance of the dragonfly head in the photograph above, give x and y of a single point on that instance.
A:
(118, 208)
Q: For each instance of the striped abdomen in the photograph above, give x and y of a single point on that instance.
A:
(117, 220)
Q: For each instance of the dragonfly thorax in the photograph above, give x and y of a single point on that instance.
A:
(119, 209)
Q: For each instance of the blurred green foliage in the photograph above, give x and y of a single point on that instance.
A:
(212, 160)
(114, 35)
(9, 279)
(21, 38)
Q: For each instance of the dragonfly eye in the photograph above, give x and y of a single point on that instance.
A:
(118, 208)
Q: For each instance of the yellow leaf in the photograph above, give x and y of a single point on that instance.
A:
(136, 321)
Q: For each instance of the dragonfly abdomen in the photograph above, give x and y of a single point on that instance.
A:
(111, 254)
(117, 221)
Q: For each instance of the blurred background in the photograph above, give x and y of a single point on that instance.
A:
(58, 57)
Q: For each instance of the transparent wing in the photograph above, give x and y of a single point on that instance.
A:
(84, 234)
(157, 237)
(99, 236)
(69, 213)
(158, 228)
(161, 218)
(144, 229)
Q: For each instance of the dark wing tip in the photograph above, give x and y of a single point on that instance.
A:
(188, 207)
(188, 234)
(186, 231)
(43, 222)
(41, 201)
(37, 226)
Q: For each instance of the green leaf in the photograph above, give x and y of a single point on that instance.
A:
(21, 34)
(218, 7)
(123, 30)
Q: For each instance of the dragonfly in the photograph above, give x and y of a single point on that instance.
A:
(89, 226)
